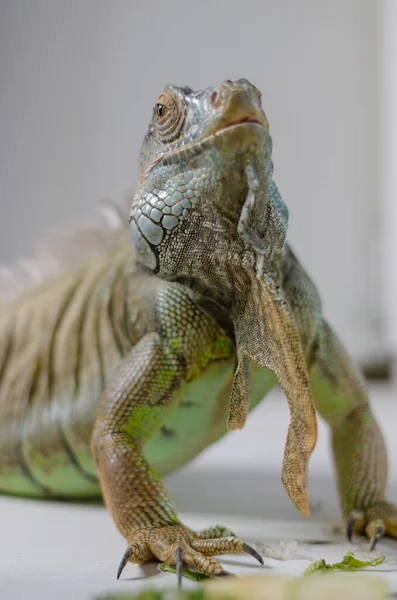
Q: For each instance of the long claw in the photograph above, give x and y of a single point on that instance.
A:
(124, 561)
(225, 574)
(253, 553)
(379, 531)
(355, 523)
(350, 527)
(179, 565)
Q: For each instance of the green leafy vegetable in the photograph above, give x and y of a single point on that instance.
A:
(185, 573)
(348, 563)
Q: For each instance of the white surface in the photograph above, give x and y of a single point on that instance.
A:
(79, 79)
(64, 551)
(241, 473)
(71, 552)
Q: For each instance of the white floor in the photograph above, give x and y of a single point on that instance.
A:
(64, 551)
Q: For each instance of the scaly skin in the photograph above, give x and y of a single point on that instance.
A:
(50, 383)
(149, 351)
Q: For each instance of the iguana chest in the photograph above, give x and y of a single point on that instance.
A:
(201, 415)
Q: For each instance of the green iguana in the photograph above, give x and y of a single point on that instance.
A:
(123, 365)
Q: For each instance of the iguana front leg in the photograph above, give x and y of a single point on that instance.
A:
(359, 451)
(340, 396)
(134, 406)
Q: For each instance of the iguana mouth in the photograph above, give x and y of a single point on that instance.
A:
(245, 121)
(233, 124)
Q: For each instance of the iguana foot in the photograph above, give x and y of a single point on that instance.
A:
(177, 544)
(374, 521)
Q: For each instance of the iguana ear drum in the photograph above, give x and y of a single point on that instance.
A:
(170, 114)
(141, 246)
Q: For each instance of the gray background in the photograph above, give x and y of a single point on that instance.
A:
(79, 79)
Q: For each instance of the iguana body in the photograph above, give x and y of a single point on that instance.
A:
(62, 341)
(145, 345)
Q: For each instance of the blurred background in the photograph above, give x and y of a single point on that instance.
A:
(79, 79)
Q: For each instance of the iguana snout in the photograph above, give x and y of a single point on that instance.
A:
(234, 103)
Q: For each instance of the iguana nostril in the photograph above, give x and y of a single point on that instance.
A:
(214, 98)
(229, 98)
(243, 82)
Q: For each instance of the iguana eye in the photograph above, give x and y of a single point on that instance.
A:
(161, 110)
(170, 113)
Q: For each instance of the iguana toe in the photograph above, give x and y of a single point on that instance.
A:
(374, 521)
(374, 530)
(177, 545)
(215, 531)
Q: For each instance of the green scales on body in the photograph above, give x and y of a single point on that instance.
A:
(59, 463)
(123, 363)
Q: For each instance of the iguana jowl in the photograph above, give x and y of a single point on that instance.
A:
(146, 356)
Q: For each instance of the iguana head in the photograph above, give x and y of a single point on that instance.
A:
(204, 156)
(208, 214)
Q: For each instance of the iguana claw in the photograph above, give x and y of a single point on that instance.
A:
(253, 553)
(374, 522)
(379, 531)
(179, 565)
(124, 561)
(354, 521)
